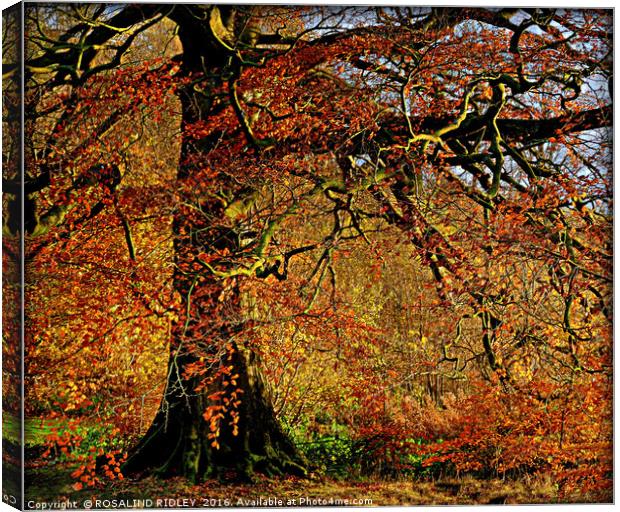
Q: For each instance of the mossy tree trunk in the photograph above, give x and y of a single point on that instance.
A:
(180, 440)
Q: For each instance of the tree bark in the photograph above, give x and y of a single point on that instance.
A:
(178, 442)
(181, 441)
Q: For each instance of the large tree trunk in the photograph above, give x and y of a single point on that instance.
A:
(207, 364)
(210, 367)
(179, 443)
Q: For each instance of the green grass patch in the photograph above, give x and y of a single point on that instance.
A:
(36, 430)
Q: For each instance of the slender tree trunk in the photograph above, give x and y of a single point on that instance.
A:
(209, 370)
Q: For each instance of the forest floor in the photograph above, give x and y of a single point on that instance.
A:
(53, 485)
(50, 486)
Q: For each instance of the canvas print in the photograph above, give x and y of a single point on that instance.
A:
(306, 255)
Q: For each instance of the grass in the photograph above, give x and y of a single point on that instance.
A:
(35, 430)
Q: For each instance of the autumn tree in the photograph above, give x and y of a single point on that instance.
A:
(482, 135)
